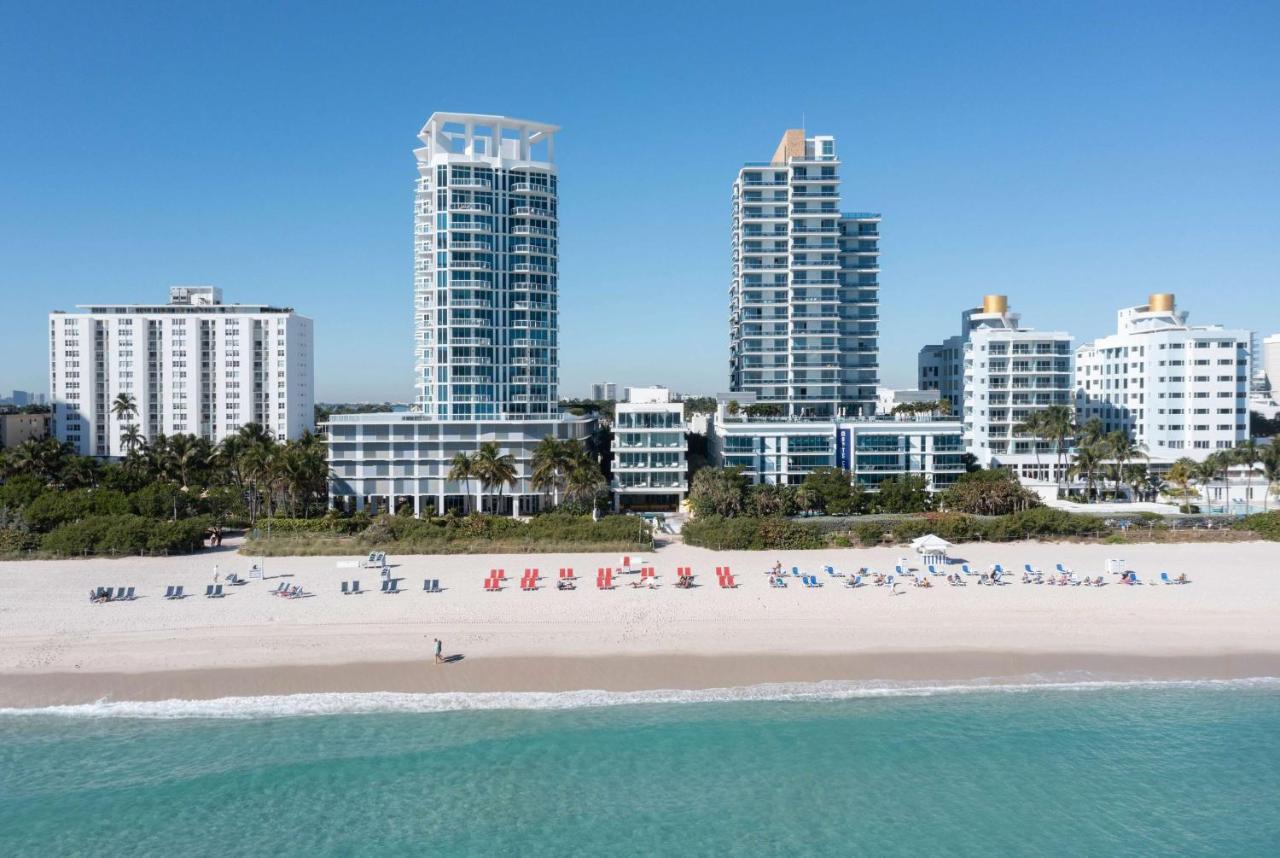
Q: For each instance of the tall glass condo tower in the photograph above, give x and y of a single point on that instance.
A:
(485, 268)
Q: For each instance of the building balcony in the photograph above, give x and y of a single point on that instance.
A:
(530, 188)
(467, 227)
(528, 229)
(470, 265)
(470, 207)
(531, 211)
(470, 183)
(531, 266)
(528, 249)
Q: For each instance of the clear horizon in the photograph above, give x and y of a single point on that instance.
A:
(1075, 159)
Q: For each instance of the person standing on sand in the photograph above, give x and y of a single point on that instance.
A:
(439, 647)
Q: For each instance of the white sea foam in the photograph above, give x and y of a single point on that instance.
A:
(300, 705)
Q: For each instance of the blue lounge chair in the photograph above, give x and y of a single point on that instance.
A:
(779, 581)
(888, 581)
(855, 581)
(168, 592)
(964, 567)
(1164, 576)
(898, 570)
(933, 571)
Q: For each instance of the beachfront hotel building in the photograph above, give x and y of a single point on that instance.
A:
(194, 366)
(485, 346)
(1177, 389)
(650, 451)
(804, 291)
(996, 374)
(782, 451)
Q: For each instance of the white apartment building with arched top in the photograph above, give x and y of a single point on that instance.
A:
(1178, 389)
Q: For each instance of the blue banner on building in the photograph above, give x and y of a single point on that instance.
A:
(844, 440)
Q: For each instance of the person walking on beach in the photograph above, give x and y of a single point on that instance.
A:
(439, 647)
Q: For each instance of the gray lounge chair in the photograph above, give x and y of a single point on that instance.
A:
(346, 589)
(168, 592)
(177, 593)
(394, 586)
(129, 594)
(431, 585)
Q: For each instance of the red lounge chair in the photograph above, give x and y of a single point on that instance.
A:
(492, 584)
(604, 579)
(530, 580)
(566, 574)
(726, 580)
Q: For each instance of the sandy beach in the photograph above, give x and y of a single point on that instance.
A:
(56, 647)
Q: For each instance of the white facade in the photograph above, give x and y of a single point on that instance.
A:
(1271, 364)
(650, 451)
(605, 392)
(485, 268)
(1177, 389)
(194, 366)
(784, 451)
(381, 462)
(888, 398)
(804, 294)
(996, 374)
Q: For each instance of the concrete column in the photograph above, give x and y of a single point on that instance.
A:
(391, 504)
(417, 505)
(440, 503)
(359, 503)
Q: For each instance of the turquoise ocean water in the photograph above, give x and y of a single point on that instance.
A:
(1185, 769)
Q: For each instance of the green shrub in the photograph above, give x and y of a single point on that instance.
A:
(1265, 524)
(750, 534)
(19, 491)
(124, 534)
(1189, 509)
(53, 508)
(870, 532)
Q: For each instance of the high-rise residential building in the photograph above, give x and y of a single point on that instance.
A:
(650, 451)
(193, 366)
(1177, 389)
(605, 392)
(1271, 364)
(485, 251)
(803, 299)
(485, 347)
(997, 374)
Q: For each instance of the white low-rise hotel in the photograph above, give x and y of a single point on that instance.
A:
(1177, 389)
(485, 293)
(650, 451)
(996, 374)
(193, 366)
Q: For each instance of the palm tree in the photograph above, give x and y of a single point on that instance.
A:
(494, 468)
(1246, 453)
(1135, 477)
(1058, 424)
(1205, 472)
(1181, 474)
(124, 407)
(1270, 458)
(130, 437)
(1120, 447)
(1033, 426)
(81, 471)
(551, 460)
(583, 478)
(461, 469)
(1086, 464)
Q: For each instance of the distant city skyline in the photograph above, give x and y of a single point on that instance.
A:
(1075, 159)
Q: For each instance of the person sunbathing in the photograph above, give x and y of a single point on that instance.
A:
(1182, 579)
(925, 582)
(564, 584)
(777, 568)
(879, 580)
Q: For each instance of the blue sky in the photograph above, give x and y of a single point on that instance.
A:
(1074, 156)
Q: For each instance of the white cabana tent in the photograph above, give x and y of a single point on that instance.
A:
(932, 549)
